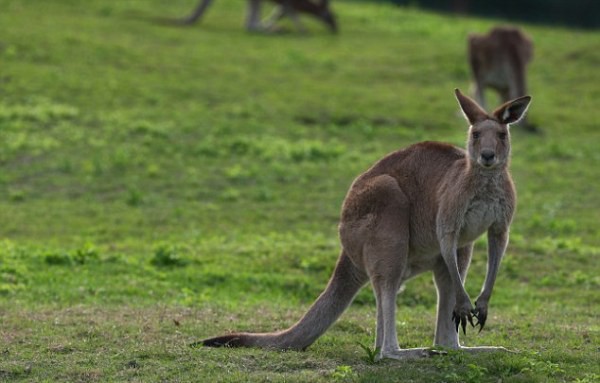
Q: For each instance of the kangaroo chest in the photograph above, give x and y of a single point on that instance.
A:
(481, 213)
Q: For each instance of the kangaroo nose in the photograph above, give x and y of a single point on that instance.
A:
(488, 155)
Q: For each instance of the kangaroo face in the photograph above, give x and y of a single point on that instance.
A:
(489, 144)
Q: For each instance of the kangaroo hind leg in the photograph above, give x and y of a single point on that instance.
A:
(445, 331)
(446, 334)
(386, 278)
(385, 254)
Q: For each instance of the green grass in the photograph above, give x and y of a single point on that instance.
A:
(161, 184)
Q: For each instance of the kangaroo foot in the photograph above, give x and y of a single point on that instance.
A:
(485, 349)
(409, 353)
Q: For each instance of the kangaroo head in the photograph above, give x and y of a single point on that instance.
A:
(488, 143)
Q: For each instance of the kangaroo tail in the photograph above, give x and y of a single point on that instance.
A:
(345, 282)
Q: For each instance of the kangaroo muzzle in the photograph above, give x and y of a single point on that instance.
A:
(487, 158)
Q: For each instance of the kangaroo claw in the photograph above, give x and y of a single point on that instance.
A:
(481, 324)
(471, 321)
(460, 321)
(456, 320)
(481, 316)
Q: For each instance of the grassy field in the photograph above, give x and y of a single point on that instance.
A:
(161, 184)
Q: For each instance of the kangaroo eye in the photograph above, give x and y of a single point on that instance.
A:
(475, 135)
(502, 136)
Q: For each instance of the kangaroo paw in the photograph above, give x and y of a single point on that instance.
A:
(461, 319)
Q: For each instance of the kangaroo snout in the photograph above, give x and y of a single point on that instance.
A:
(488, 157)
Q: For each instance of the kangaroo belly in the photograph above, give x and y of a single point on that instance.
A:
(498, 78)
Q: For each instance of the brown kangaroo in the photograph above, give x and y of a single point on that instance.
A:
(499, 61)
(291, 8)
(417, 209)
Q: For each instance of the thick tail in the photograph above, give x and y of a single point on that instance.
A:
(345, 282)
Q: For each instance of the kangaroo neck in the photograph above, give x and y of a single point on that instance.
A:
(480, 179)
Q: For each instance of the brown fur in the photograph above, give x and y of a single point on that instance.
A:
(499, 61)
(319, 9)
(417, 209)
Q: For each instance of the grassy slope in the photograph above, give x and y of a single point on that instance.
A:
(160, 184)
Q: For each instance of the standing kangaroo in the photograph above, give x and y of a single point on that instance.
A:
(319, 9)
(417, 209)
(499, 61)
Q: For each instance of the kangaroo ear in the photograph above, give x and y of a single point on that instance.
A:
(473, 112)
(512, 111)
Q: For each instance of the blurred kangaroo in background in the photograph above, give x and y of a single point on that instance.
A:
(417, 209)
(319, 9)
(499, 61)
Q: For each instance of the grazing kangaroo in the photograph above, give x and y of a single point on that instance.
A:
(290, 8)
(417, 209)
(499, 61)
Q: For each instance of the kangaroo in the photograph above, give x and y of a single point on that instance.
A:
(417, 209)
(499, 61)
(290, 8)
